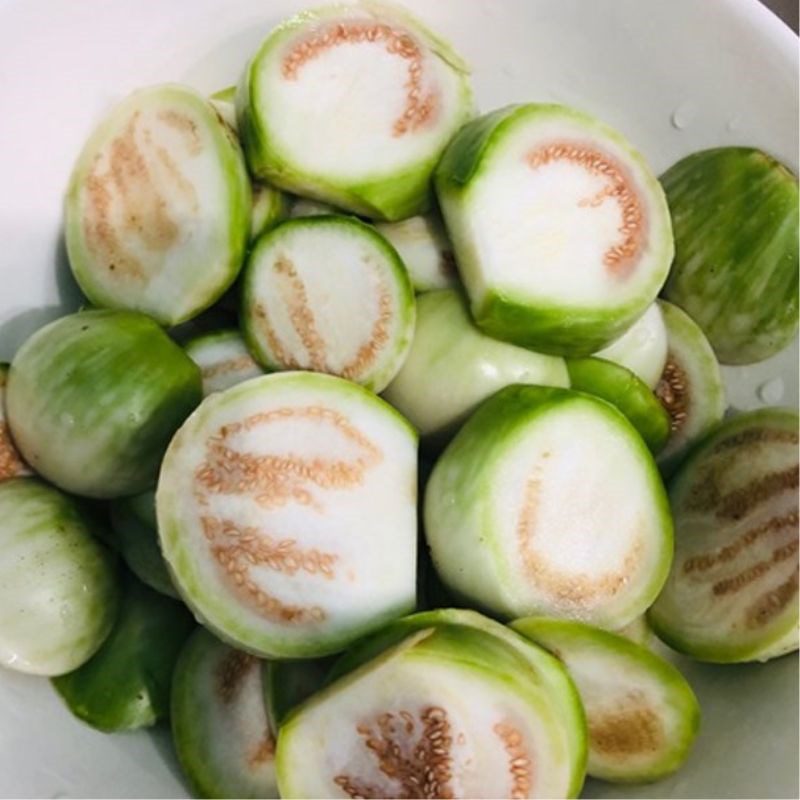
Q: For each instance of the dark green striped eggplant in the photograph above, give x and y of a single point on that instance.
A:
(94, 398)
(735, 220)
(126, 684)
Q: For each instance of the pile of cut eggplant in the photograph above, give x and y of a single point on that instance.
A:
(390, 452)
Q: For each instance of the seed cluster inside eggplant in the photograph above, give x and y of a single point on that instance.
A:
(394, 433)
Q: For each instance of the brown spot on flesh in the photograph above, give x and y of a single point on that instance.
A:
(520, 764)
(756, 436)
(632, 730)
(747, 576)
(11, 463)
(702, 563)
(273, 481)
(673, 392)
(620, 257)
(770, 604)
(238, 364)
(421, 107)
(263, 753)
(447, 264)
(126, 207)
(418, 762)
(186, 126)
(567, 587)
(742, 501)
(231, 673)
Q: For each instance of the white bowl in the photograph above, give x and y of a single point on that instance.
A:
(674, 75)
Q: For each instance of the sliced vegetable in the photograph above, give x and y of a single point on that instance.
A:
(303, 207)
(642, 348)
(642, 714)
(158, 207)
(94, 398)
(126, 683)
(732, 592)
(328, 294)
(638, 631)
(735, 215)
(136, 538)
(58, 587)
(691, 387)
(11, 463)
(450, 711)
(425, 249)
(224, 360)
(620, 387)
(224, 102)
(561, 232)
(289, 683)
(270, 206)
(453, 366)
(547, 501)
(220, 727)
(352, 105)
(558, 695)
(287, 513)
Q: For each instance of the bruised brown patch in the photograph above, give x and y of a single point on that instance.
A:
(520, 763)
(634, 729)
(567, 587)
(11, 463)
(416, 757)
(421, 107)
(742, 579)
(756, 436)
(231, 673)
(771, 603)
(273, 481)
(742, 501)
(619, 187)
(741, 544)
(263, 753)
(673, 392)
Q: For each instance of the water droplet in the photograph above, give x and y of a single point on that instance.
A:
(771, 391)
(64, 611)
(682, 116)
(508, 71)
(732, 124)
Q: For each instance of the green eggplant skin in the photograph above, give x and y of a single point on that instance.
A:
(126, 684)
(735, 219)
(58, 583)
(289, 683)
(94, 398)
(621, 388)
(135, 536)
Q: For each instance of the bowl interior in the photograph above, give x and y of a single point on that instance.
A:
(674, 77)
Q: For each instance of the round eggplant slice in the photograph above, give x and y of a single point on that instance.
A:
(620, 387)
(735, 218)
(558, 694)
(328, 294)
(158, 207)
(94, 398)
(224, 360)
(691, 387)
(641, 713)
(548, 502)
(732, 592)
(58, 586)
(353, 105)
(126, 683)
(289, 683)
(450, 711)
(453, 366)
(642, 348)
(287, 514)
(425, 249)
(220, 727)
(561, 232)
(224, 103)
(133, 520)
(11, 463)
